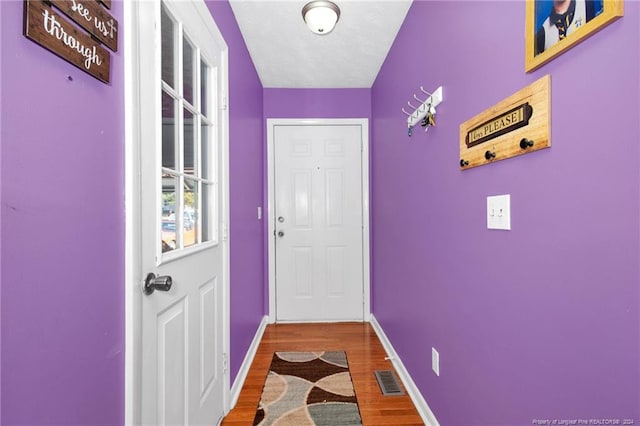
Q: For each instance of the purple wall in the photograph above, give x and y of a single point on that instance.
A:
(62, 198)
(246, 158)
(317, 103)
(541, 322)
(1, 216)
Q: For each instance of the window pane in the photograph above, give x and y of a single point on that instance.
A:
(189, 74)
(208, 218)
(204, 87)
(169, 208)
(189, 143)
(168, 131)
(189, 221)
(204, 137)
(168, 50)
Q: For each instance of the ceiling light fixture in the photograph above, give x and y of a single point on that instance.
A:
(321, 16)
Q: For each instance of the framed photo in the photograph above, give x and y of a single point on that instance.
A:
(554, 26)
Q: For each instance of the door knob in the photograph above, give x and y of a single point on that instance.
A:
(152, 283)
(280, 234)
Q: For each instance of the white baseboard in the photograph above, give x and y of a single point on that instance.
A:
(425, 412)
(246, 363)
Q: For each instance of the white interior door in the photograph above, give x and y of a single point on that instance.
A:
(183, 214)
(318, 222)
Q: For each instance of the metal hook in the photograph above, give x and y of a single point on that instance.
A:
(406, 112)
(526, 143)
(409, 103)
(488, 155)
(425, 92)
(417, 99)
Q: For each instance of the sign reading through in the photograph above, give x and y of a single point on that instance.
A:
(50, 30)
(93, 18)
(500, 125)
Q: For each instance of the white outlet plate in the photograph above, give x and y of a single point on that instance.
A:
(499, 212)
(435, 361)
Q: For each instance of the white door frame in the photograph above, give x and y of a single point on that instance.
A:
(366, 273)
(133, 242)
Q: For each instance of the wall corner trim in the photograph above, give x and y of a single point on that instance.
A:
(246, 363)
(425, 412)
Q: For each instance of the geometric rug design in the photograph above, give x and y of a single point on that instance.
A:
(307, 389)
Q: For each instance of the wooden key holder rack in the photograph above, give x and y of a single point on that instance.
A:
(518, 125)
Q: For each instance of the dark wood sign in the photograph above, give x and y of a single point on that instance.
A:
(107, 3)
(50, 30)
(517, 125)
(500, 125)
(93, 18)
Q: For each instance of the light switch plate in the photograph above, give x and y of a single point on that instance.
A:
(435, 361)
(499, 212)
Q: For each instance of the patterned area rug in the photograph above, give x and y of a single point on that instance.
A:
(308, 388)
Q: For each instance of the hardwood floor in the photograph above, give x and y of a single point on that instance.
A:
(364, 353)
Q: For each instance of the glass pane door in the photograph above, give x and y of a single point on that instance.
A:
(189, 172)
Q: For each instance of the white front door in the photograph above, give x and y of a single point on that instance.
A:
(182, 214)
(318, 222)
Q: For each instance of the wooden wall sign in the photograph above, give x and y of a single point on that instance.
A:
(107, 3)
(518, 125)
(50, 30)
(93, 18)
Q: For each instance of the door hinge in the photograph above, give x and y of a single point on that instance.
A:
(223, 104)
(225, 232)
(225, 362)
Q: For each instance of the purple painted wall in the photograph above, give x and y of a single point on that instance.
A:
(246, 151)
(62, 199)
(1, 108)
(317, 103)
(541, 322)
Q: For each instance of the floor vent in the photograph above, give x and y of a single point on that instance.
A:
(388, 382)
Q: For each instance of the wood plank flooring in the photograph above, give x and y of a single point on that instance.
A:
(364, 353)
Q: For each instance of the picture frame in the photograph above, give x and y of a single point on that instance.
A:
(546, 40)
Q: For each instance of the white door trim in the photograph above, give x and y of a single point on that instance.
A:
(133, 242)
(364, 123)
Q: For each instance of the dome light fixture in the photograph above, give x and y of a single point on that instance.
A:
(321, 16)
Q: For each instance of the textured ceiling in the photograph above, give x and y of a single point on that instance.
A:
(288, 55)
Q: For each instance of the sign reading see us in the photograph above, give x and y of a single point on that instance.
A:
(93, 18)
(49, 29)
